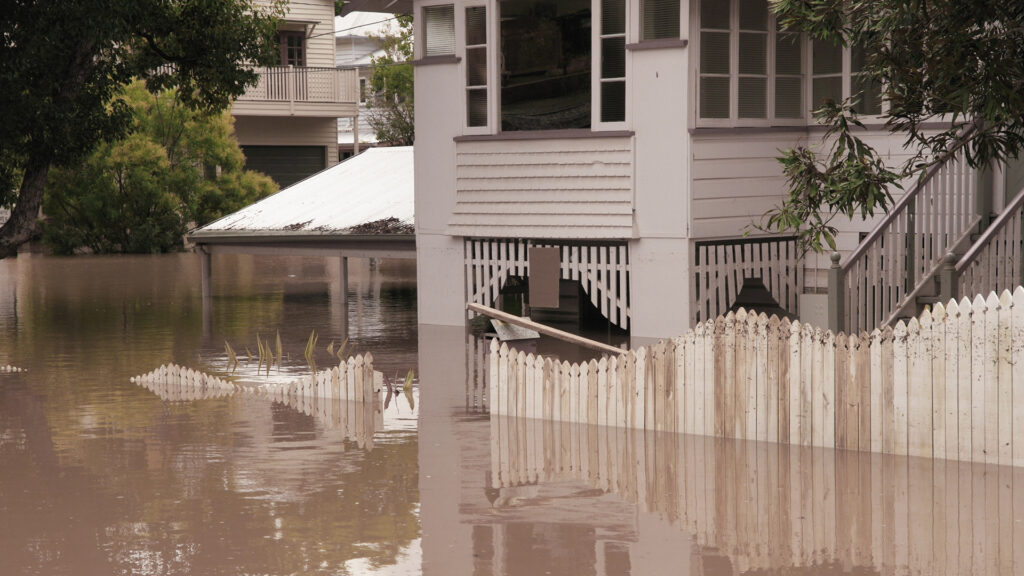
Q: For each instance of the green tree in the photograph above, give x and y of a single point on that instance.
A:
(391, 107)
(952, 73)
(62, 65)
(139, 194)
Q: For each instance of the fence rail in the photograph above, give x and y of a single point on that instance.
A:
(941, 386)
(303, 84)
(996, 261)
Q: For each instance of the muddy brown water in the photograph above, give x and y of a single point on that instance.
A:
(101, 476)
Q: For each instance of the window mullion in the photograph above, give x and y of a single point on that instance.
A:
(734, 61)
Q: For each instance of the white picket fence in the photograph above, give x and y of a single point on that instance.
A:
(351, 380)
(949, 384)
(347, 396)
(771, 507)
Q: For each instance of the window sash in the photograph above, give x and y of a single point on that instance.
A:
(439, 30)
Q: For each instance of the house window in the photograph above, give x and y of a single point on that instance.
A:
(613, 60)
(545, 64)
(838, 73)
(476, 66)
(439, 30)
(659, 19)
(292, 46)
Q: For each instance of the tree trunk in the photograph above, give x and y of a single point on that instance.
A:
(20, 228)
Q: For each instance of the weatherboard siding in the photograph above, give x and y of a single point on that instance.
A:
(320, 40)
(557, 188)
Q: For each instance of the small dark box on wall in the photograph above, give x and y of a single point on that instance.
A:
(545, 266)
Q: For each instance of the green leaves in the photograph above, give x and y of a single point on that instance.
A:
(943, 66)
(849, 179)
(140, 194)
(391, 106)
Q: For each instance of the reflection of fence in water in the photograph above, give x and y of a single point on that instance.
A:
(770, 506)
(347, 396)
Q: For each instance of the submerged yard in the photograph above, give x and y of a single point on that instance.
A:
(100, 475)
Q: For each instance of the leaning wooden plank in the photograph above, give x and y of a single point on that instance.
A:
(542, 329)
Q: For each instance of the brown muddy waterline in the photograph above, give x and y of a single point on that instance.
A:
(100, 476)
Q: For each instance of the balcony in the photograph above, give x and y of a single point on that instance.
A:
(301, 91)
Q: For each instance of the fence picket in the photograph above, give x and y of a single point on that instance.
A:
(942, 385)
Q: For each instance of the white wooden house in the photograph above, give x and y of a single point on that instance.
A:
(641, 137)
(287, 124)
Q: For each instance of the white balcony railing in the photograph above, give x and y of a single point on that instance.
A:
(304, 84)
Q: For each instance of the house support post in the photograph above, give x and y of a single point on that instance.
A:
(339, 298)
(355, 135)
(206, 284)
(948, 279)
(836, 295)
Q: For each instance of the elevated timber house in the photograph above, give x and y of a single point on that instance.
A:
(639, 138)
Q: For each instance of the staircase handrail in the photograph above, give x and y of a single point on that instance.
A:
(908, 198)
(995, 228)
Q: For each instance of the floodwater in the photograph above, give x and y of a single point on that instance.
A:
(101, 476)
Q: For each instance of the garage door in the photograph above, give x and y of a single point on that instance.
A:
(285, 164)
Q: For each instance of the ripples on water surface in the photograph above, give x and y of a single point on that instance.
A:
(100, 476)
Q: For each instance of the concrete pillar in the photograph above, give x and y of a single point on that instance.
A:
(339, 299)
(836, 296)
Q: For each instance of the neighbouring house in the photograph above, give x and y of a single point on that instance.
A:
(287, 125)
(357, 42)
(639, 138)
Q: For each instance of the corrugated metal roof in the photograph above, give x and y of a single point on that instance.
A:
(372, 186)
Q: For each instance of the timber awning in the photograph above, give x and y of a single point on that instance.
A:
(362, 208)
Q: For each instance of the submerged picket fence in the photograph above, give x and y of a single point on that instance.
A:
(949, 384)
(351, 380)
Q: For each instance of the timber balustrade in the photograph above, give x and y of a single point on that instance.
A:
(949, 384)
(770, 507)
(895, 262)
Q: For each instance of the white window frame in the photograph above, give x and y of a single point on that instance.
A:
(420, 36)
(734, 121)
(596, 35)
(492, 75)
(847, 60)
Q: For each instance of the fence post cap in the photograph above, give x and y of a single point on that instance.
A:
(836, 257)
(949, 259)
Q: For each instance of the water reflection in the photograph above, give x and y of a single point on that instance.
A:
(563, 498)
(99, 476)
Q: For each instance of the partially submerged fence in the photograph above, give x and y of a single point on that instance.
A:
(352, 380)
(939, 386)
